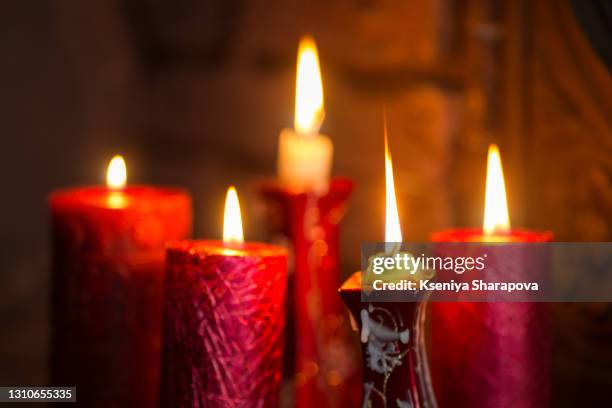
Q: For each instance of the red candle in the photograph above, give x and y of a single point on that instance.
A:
(492, 354)
(395, 371)
(108, 270)
(394, 360)
(224, 320)
(305, 207)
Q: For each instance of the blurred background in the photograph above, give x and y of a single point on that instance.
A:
(195, 92)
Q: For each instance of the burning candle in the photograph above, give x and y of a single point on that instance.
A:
(492, 354)
(224, 320)
(395, 370)
(107, 281)
(496, 222)
(305, 155)
(303, 207)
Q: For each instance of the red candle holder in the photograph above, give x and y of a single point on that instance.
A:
(107, 289)
(223, 324)
(395, 368)
(324, 359)
(491, 354)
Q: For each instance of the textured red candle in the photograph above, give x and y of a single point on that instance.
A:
(491, 354)
(223, 324)
(325, 367)
(108, 269)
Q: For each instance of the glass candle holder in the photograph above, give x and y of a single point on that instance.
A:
(394, 358)
(324, 371)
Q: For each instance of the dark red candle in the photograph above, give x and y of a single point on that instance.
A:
(395, 368)
(223, 323)
(492, 354)
(394, 361)
(107, 282)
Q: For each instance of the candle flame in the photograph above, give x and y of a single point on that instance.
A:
(496, 219)
(232, 221)
(116, 175)
(309, 110)
(393, 232)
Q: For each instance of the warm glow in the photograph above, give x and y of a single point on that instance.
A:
(232, 221)
(393, 232)
(116, 175)
(496, 219)
(309, 110)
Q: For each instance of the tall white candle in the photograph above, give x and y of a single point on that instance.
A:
(304, 154)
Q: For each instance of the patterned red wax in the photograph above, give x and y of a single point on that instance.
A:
(107, 282)
(224, 319)
(493, 354)
(394, 360)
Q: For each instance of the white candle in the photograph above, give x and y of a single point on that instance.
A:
(304, 154)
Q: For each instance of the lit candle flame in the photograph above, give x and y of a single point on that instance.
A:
(116, 175)
(393, 232)
(232, 221)
(309, 110)
(496, 219)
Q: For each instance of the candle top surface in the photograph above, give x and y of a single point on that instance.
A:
(477, 235)
(205, 248)
(134, 196)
